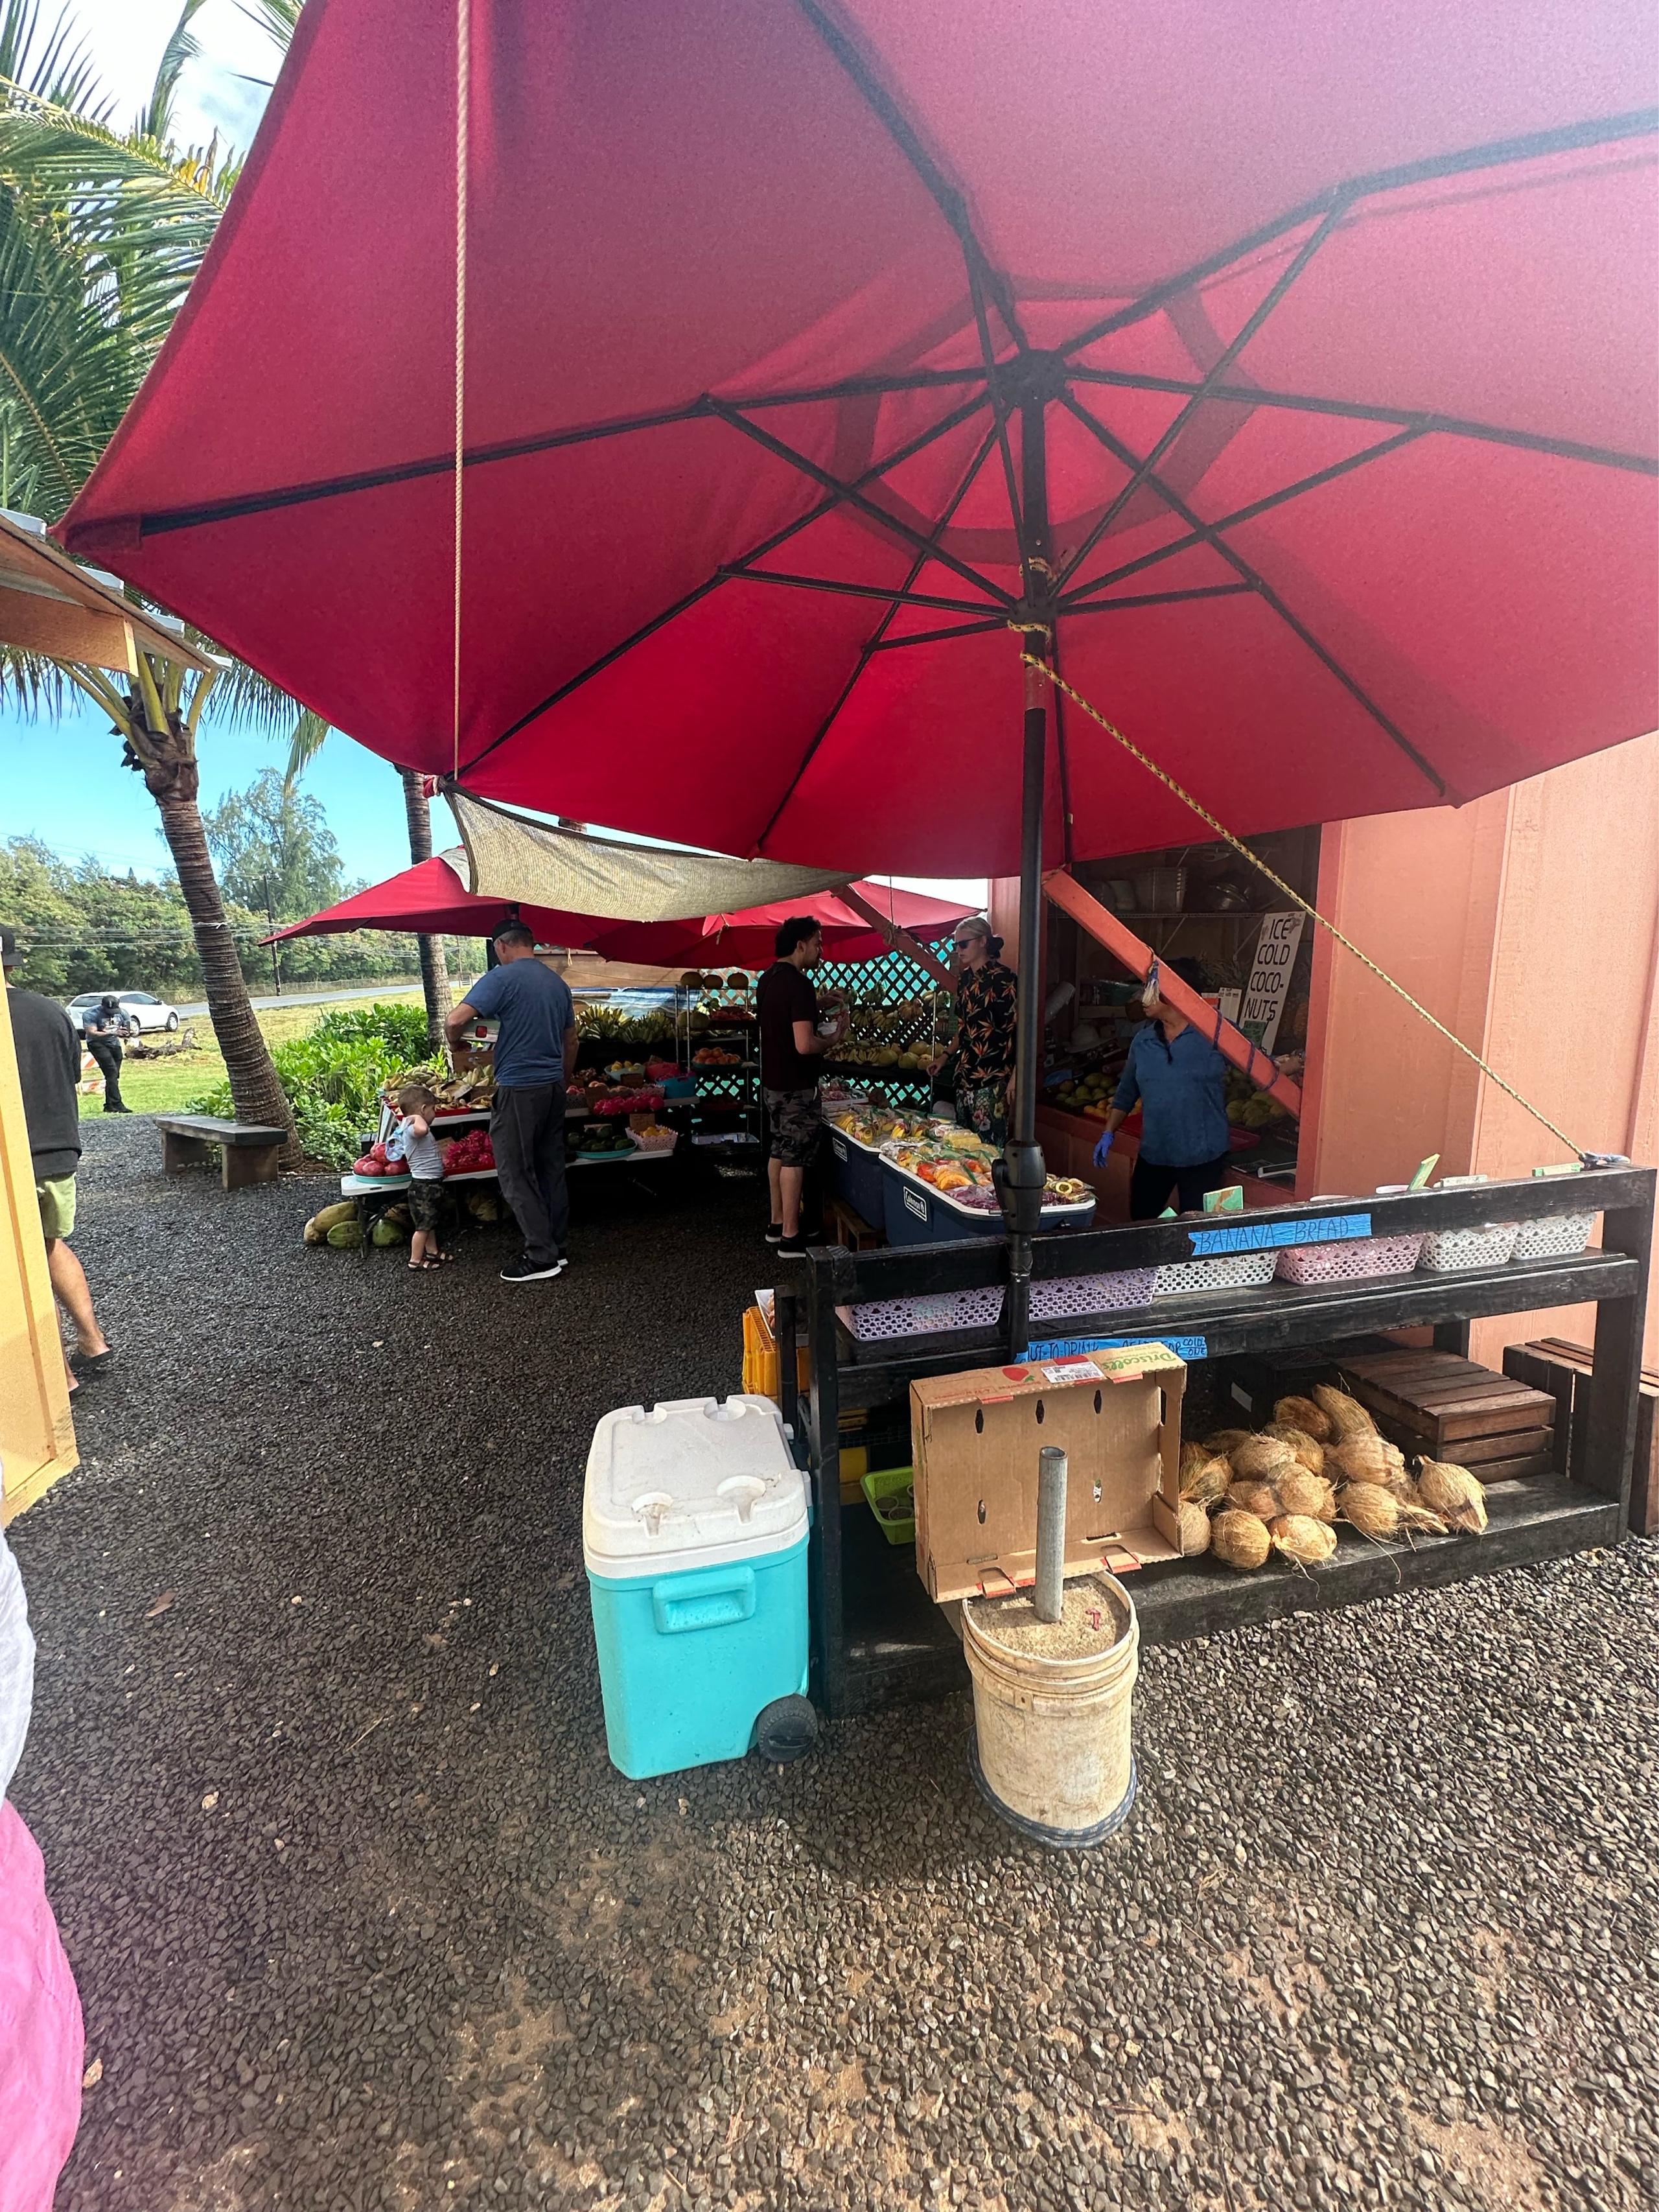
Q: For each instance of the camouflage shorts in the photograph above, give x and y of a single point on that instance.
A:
(796, 1118)
(425, 1202)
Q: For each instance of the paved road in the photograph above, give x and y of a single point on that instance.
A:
(320, 997)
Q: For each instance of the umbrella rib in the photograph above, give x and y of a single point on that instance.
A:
(1213, 376)
(946, 422)
(1155, 598)
(1256, 506)
(1502, 152)
(914, 539)
(933, 636)
(739, 573)
(1260, 585)
(1359, 410)
(872, 642)
(904, 134)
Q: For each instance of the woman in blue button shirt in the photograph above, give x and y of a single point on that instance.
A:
(1180, 1079)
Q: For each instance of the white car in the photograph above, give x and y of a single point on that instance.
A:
(141, 1009)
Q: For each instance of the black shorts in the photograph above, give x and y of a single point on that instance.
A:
(796, 1122)
(425, 1204)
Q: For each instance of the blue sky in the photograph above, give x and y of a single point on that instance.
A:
(61, 777)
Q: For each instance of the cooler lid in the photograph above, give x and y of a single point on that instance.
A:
(692, 1474)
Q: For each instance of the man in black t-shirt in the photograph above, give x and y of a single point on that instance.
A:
(787, 1008)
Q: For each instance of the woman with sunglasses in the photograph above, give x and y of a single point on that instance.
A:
(988, 1000)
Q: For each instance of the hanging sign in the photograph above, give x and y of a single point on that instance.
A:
(1269, 986)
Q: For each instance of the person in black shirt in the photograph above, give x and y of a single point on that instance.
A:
(105, 1026)
(788, 1009)
(48, 1070)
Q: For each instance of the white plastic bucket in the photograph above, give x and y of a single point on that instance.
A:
(1052, 1744)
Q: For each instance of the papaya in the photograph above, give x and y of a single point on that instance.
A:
(346, 1236)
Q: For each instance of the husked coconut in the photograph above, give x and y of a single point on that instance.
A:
(1360, 1458)
(1300, 1537)
(1370, 1509)
(1308, 1449)
(1301, 1493)
(1193, 1535)
(1240, 1539)
(1261, 1458)
(1223, 1442)
(1206, 1483)
(1262, 1498)
(1193, 1456)
(1452, 1493)
(1346, 1416)
(1304, 1414)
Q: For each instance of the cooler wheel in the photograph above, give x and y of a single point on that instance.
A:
(787, 1730)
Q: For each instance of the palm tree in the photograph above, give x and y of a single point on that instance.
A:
(101, 229)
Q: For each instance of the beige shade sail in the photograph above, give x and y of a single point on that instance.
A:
(49, 604)
(508, 857)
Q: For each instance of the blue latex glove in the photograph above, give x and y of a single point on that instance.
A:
(1103, 1146)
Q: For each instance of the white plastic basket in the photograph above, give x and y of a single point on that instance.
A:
(1350, 1261)
(1230, 1271)
(1453, 1251)
(924, 1317)
(666, 1143)
(1559, 1237)
(1070, 1295)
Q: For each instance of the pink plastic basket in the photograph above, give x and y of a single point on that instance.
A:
(925, 1316)
(1350, 1261)
(1068, 1296)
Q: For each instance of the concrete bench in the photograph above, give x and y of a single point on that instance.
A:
(248, 1149)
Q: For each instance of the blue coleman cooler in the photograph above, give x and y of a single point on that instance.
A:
(693, 1530)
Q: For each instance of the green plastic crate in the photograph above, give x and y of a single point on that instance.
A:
(884, 1483)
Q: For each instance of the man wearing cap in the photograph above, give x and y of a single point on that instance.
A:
(48, 1070)
(534, 1050)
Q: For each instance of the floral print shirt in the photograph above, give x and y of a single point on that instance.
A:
(987, 1009)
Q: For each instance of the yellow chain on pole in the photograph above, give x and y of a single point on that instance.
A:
(1347, 944)
(462, 105)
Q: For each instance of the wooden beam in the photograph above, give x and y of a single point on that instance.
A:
(900, 939)
(1064, 891)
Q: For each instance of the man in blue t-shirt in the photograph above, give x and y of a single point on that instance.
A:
(535, 1048)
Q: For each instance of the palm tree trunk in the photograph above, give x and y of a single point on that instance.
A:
(434, 969)
(168, 762)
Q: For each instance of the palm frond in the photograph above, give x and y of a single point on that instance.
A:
(56, 67)
(278, 19)
(303, 747)
(156, 121)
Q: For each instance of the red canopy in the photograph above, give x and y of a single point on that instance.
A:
(1336, 321)
(431, 897)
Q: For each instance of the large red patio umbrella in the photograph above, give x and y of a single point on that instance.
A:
(1288, 366)
(432, 899)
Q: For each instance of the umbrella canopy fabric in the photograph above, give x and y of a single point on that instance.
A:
(1292, 364)
(433, 898)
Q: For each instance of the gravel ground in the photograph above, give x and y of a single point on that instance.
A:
(363, 1917)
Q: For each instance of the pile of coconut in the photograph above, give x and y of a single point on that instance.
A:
(1245, 1495)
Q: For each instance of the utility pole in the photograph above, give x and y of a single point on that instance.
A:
(276, 964)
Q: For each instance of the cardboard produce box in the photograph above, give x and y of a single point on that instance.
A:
(975, 1439)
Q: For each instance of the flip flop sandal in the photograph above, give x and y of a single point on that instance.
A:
(88, 1365)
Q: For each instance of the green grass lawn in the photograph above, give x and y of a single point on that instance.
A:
(162, 1086)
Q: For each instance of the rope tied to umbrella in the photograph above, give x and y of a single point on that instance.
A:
(1037, 667)
(463, 108)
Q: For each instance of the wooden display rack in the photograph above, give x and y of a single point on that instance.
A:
(878, 1639)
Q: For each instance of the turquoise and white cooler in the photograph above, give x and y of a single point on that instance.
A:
(693, 1530)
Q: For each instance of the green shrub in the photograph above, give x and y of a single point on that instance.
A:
(334, 1073)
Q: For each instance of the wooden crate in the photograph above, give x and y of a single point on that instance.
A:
(1565, 1371)
(1439, 1406)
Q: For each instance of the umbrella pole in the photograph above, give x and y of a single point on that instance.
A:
(1024, 1173)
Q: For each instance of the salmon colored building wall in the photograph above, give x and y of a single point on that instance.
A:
(1528, 923)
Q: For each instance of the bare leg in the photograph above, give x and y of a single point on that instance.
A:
(775, 1184)
(69, 1287)
(422, 1245)
(788, 1200)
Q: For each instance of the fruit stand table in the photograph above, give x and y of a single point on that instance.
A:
(878, 1638)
